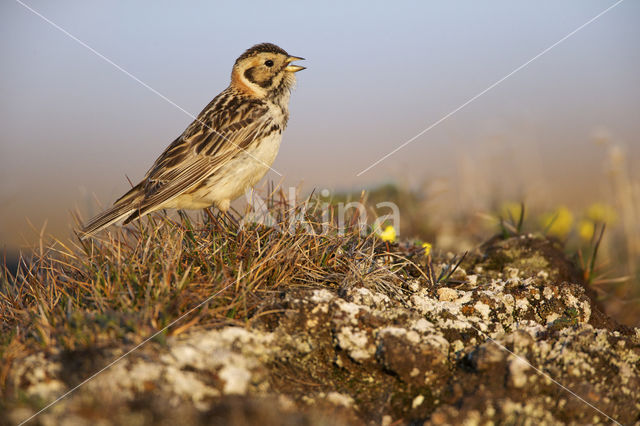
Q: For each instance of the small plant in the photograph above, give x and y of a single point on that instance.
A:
(587, 258)
(511, 219)
(174, 273)
(449, 269)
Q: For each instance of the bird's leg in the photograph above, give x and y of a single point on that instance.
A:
(211, 216)
(229, 216)
(214, 220)
(223, 206)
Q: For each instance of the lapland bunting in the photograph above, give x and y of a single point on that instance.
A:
(228, 148)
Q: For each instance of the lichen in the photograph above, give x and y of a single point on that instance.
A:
(489, 348)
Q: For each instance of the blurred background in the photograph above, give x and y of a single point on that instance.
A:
(560, 135)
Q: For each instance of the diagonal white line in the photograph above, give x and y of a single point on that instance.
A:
(109, 61)
(139, 345)
(539, 371)
(112, 363)
(489, 88)
(542, 373)
(363, 171)
(536, 369)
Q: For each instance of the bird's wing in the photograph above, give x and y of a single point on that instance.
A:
(220, 132)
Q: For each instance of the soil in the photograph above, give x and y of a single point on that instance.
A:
(513, 337)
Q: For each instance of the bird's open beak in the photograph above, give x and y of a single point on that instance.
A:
(294, 68)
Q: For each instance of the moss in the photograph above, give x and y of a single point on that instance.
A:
(438, 348)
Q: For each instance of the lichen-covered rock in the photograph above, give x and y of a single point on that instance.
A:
(416, 359)
(515, 339)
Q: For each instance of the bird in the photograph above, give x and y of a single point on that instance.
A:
(227, 149)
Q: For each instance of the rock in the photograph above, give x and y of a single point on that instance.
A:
(518, 342)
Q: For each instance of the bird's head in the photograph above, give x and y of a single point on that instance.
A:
(265, 70)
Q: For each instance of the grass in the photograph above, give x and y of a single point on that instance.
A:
(127, 283)
(484, 200)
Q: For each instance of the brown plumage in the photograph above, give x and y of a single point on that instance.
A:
(228, 148)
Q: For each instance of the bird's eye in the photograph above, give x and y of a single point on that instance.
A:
(269, 63)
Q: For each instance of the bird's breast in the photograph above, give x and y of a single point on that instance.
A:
(242, 172)
(245, 169)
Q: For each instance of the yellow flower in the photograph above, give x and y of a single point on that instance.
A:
(559, 222)
(427, 248)
(586, 229)
(389, 234)
(601, 213)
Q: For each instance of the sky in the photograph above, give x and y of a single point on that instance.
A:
(75, 126)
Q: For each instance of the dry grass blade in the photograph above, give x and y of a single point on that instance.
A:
(127, 283)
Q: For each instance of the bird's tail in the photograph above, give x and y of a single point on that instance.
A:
(105, 219)
(123, 207)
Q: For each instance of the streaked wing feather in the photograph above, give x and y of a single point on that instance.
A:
(198, 154)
